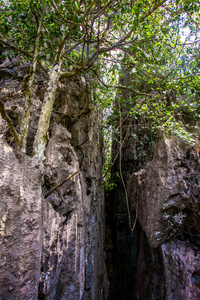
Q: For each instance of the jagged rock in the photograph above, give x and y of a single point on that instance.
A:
(63, 263)
(166, 197)
(12, 72)
(150, 275)
(68, 226)
(20, 224)
(169, 272)
(73, 255)
(167, 191)
(181, 270)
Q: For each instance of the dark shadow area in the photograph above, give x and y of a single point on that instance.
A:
(122, 247)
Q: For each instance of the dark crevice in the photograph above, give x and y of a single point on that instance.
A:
(122, 249)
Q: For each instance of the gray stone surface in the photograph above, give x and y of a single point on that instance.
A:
(67, 242)
(181, 270)
(20, 224)
(167, 190)
(53, 248)
(166, 193)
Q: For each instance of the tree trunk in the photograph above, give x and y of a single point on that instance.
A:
(28, 84)
(45, 116)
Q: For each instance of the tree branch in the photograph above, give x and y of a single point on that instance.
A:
(70, 49)
(118, 44)
(60, 184)
(23, 52)
(116, 86)
(107, 5)
(126, 36)
(16, 48)
(9, 123)
(28, 84)
(64, 19)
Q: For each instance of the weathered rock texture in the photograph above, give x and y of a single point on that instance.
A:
(181, 270)
(166, 193)
(20, 224)
(53, 248)
(160, 258)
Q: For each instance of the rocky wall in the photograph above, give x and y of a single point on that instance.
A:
(52, 247)
(20, 224)
(166, 194)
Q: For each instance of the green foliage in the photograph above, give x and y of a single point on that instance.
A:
(164, 60)
(139, 51)
(109, 183)
(148, 32)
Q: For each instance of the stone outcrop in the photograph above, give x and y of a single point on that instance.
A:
(181, 262)
(52, 247)
(73, 242)
(167, 191)
(20, 224)
(165, 195)
(160, 258)
(52, 243)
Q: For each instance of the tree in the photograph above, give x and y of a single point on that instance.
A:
(68, 38)
(158, 88)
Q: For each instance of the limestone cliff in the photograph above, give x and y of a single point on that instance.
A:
(52, 219)
(52, 246)
(166, 193)
(160, 258)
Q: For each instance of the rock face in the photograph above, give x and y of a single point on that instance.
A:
(20, 224)
(167, 191)
(72, 266)
(53, 247)
(52, 243)
(166, 195)
(182, 270)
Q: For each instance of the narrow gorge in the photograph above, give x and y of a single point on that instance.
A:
(99, 150)
(64, 238)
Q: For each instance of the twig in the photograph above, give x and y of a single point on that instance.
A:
(12, 46)
(60, 184)
(116, 86)
(66, 20)
(114, 160)
(9, 123)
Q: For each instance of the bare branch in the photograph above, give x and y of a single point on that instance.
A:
(116, 86)
(64, 19)
(9, 123)
(20, 50)
(60, 184)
